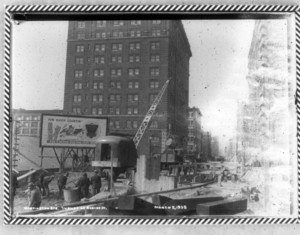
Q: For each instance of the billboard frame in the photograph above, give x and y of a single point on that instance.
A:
(74, 116)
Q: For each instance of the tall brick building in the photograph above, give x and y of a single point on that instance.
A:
(116, 68)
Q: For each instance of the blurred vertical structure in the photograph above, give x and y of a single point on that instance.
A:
(263, 122)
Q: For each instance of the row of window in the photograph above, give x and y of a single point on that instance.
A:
(131, 98)
(117, 72)
(29, 131)
(116, 59)
(118, 34)
(117, 85)
(103, 23)
(133, 46)
(28, 117)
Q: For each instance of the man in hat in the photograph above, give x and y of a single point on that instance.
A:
(34, 196)
(96, 183)
(46, 182)
(62, 181)
(83, 184)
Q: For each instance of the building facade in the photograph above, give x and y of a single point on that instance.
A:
(28, 122)
(116, 68)
(263, 129)
(194, 131)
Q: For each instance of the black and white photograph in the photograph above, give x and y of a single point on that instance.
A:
(154, 117)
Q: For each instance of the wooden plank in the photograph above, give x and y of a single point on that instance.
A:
(223, 207)
(27, 174)
(187, 205)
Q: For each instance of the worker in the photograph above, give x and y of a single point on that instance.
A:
(96, 183)
(62, 181)
(75, 161)
(40, 183)
(83, 184)
(46, 183)
(110, 175)
(34, 196)
(14, 183)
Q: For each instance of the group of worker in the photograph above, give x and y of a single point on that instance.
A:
(38, 186)
(83, 184)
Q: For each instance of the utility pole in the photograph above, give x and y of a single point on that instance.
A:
(16, 144)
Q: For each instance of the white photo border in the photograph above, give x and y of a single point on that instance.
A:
(10, 10)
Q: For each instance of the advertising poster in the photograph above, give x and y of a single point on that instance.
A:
(71, 131)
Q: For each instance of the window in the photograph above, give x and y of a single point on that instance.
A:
(156, 21)
(77, 98)
(77, 85)
(154, 72)
(100, 35)
(135, 22)
(99, 60)
(135, 124)
(116, 72)
(154, 84)
(25, 131)
(135, 111)
(98, 73)
(100, 23)
(133, 85)
(96, 111)
(155, 45)
(117, 111)
(133, 71)
(80, 36)
(118, 23)
(134, 46)
(116, 59)
(76, 110)
(134, 58)
(155, 58)
(98, 85)
(114, 97)
(80, 48)
(115, 85)
(81, 25)
(97, 98)
(117, 47)
(114, 124)
(99, 47)
(132, 98)
(154, 125)
(34, 131)
(135, 33)
(34, 124)
(78, 73)
(117, 34)
(155, 139)
(155, 32)
(79, 60)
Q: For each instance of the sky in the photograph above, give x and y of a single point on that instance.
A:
(218, 68)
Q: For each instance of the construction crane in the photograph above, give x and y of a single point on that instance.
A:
(139, 134)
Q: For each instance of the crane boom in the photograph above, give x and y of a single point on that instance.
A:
(139, 134)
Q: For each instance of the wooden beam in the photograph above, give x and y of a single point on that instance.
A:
(223, 207)
(187, 206)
